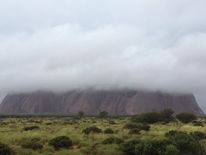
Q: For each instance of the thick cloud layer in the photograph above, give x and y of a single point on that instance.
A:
(68, 44)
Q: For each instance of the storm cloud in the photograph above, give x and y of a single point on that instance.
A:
(71, 44)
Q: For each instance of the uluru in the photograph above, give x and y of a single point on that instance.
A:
(92, 102)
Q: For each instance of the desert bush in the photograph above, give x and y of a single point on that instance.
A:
(2, 123)
(92, 129)
(34, 121)
(32, 143)
(31, 128)
(146, 147)
(61, 142)
(112, 149)
(154, 147)
(172, 133)
(134, 131)
(151, 117)
(80, 114)
(139, 126)
(144, 127)
(112, 140)
(5, 150)
(154, 117)
(108, 131)
(103, 114)
(48, 123)
(130, 126)
(72, 122)
(186, 117)
(171, 150)
(131, 146)
(112, 122)
(87, 150)
(184, 142)
(198, 135)
(197, 123)
(166, 115)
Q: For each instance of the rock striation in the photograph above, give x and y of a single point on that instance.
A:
(115, 102)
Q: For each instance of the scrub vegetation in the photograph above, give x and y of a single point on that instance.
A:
(155, 133)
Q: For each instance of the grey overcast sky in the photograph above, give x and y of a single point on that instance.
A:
(66, 44)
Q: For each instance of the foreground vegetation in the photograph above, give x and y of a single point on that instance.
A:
(145, 134)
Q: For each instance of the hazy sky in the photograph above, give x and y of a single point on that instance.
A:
(67, 44)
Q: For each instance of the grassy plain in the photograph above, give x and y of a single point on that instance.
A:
(12, 132)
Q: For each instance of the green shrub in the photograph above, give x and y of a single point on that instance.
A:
(154, 147)
(33, 143)
(146, 147)
(154, 117)
(111, 149)
(61, 142)
(166, 115)
(198, 135)
(112, 140)
(197, 123)
(130, 126)
(139, 126)
(5, 150)
(80, 114)
(48, 123)
(144, 127)
(31, 128)
(151, 117)
(171, 150)
(112, 122)
(87, 150)
(109, 131)
(134, 131)
(172, 133)
(103, 114)
(184, 142)
(186, 117)
(92, 129)
(131, 147)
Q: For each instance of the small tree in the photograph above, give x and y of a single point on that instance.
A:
(166, 115)
(103, 114)
(154, 117)
(81, 114)
(150, 117)
(186, 117)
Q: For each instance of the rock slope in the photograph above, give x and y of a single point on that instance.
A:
(115, 102)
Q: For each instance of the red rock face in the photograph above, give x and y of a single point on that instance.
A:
(115, 102)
